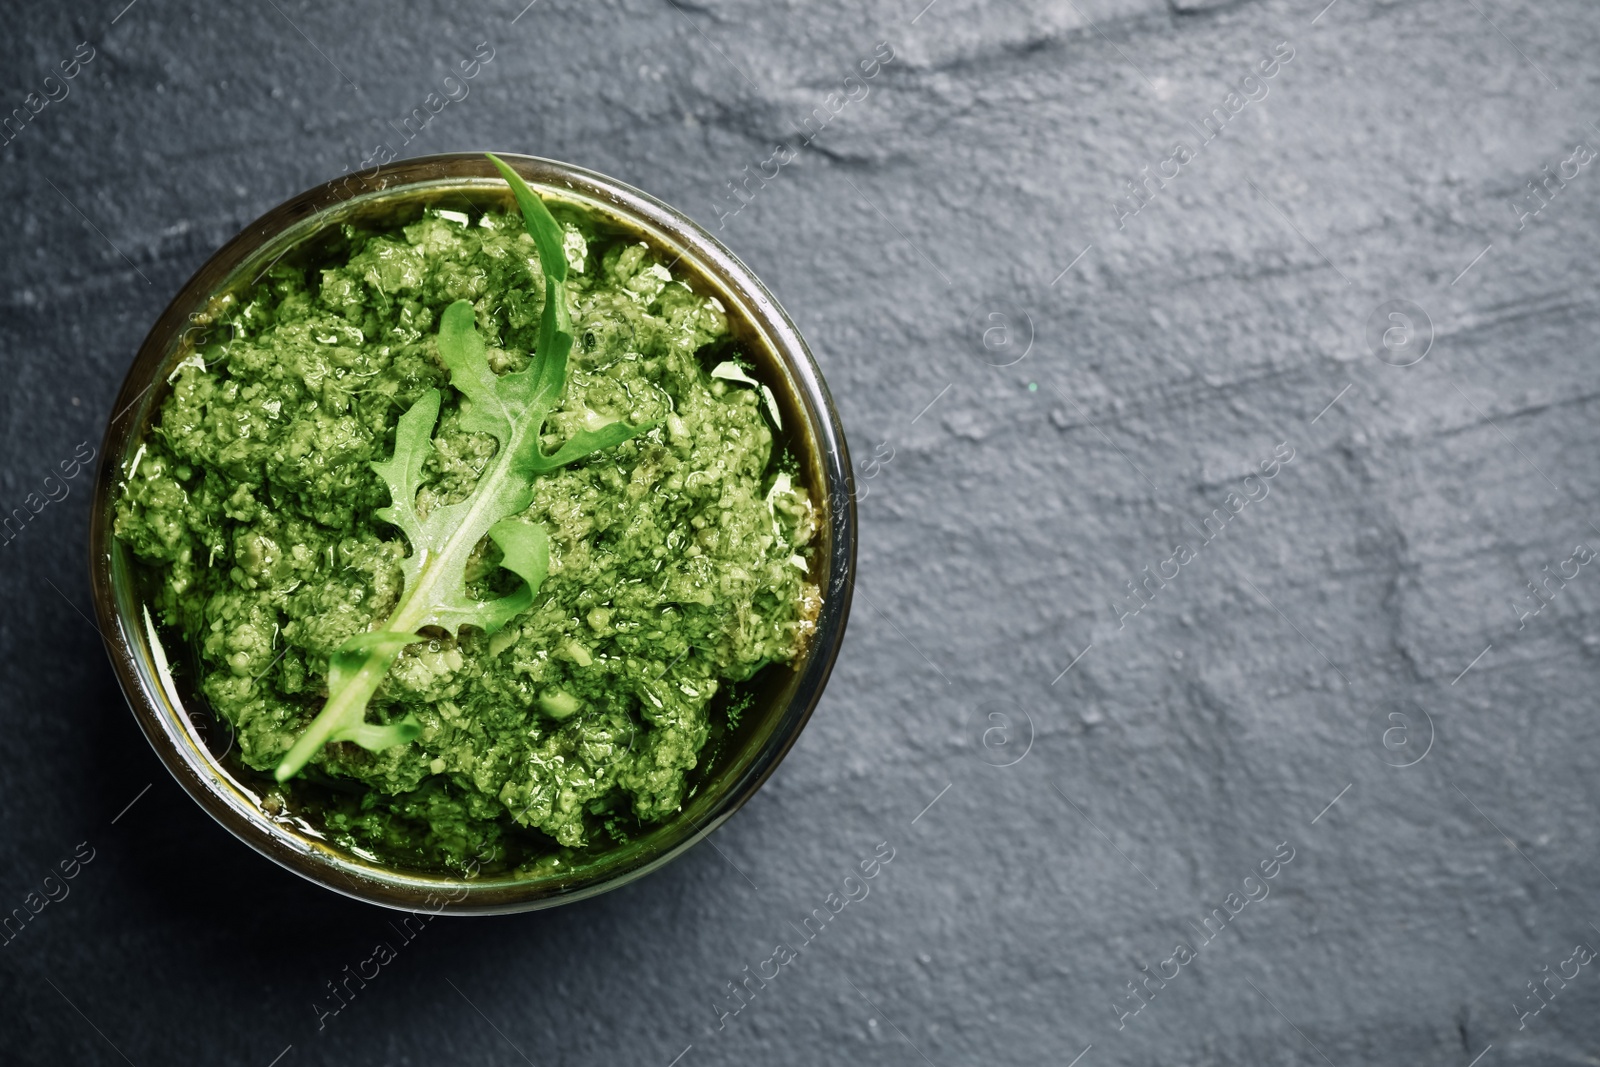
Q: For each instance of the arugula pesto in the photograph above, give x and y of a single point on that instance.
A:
(460, 525)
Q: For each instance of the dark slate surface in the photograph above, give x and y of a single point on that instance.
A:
(1370, 596)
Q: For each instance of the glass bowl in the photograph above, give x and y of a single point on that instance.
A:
(182, 728)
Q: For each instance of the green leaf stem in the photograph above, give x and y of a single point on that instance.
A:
(511, 407)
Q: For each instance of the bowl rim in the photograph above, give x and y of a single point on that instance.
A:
(139, 661)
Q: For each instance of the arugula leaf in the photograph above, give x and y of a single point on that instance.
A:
(513, 409)
(583, 443)
(354, 671)
(555, 325)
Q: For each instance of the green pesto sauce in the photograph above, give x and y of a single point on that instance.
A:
(680, 559)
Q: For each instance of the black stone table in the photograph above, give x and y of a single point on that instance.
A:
(1222, 387)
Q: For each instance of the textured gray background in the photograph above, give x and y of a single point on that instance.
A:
(999, 527)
